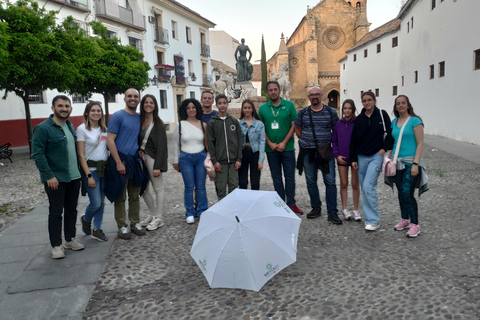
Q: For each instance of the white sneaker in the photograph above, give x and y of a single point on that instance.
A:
(346, 214)
(371, 227)
(146, 221)
(74, 245)
(58, 252)
(155, 224)
(356, 215)
(190, 219)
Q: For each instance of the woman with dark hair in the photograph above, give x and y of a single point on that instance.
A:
(341, 137)
(153, 149)
(253, 146)
(371, 138)
(411, 172)
(189, 144)
(93, 154)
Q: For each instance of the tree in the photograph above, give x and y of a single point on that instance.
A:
(111, 67)
(36, 58)
(263, 66)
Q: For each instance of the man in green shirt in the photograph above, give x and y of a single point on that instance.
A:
(54, 153)
(279, 116)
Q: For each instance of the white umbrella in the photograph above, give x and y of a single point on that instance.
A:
(245, 239)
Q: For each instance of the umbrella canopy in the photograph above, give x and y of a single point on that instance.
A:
(245, 239)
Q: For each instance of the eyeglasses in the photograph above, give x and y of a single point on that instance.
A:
(95, 102)
(314, 95)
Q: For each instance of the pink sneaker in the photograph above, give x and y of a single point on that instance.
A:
(403, 224)
(356, 215)
(414, 231)
(346, 214)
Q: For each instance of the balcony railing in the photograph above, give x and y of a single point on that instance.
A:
(161, 35)
(125, 15)
(205, 50)
(205, 80)
(83, 4)
(180, 80)
(164, 75)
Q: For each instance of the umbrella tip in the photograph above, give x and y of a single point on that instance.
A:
(236, 217)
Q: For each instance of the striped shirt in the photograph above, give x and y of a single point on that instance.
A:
(323, 123)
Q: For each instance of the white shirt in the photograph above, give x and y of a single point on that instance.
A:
(192, 139)
(90, 137)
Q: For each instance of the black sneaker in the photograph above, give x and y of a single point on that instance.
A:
(315, 213)
(333, 218)
(138, 230)
(86, 226)
(98, 234)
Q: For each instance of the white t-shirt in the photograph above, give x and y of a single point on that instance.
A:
(192, 139)
(90, 137)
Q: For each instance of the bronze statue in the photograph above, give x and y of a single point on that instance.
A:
(244, 67)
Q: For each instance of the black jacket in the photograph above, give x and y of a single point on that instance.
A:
(367, 134)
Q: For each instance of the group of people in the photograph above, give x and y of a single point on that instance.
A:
(132, 151)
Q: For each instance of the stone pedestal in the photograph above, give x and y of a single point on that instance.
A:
(248, 85)
(234, 108)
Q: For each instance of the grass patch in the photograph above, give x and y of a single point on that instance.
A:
(25, 210)
(439, 173)
(4, 208)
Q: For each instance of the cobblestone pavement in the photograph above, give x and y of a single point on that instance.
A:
(342, 272)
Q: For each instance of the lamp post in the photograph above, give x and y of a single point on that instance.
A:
(154, 80)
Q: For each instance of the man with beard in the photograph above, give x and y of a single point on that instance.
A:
(207, 102)
(55, 155)
(279, 116)
(314, 126)
(122, 141)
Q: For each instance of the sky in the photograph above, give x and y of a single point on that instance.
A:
(250, 19)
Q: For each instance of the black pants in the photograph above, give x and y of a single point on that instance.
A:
(249, 159)
(64, 199)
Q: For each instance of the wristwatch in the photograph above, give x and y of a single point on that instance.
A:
(89, 175)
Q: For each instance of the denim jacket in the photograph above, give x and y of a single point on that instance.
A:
(256, 136)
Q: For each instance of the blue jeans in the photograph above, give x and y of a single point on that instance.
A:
(311, 168)
(194, 175)
(369, 168)
(285, 159)
(94, 210)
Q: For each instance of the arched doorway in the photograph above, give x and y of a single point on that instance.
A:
(333, 99)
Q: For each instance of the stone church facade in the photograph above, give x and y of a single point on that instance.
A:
(314, 49)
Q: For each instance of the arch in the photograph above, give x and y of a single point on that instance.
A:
(333, 99)
(358, 4)
(350, 3)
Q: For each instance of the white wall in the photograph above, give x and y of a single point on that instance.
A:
(447, 33)
(223, 47)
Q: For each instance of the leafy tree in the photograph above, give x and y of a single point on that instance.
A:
(111, 67)
(36, 57)
(4, 38)
(263, 66)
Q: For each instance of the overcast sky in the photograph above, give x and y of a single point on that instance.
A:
(250, 19)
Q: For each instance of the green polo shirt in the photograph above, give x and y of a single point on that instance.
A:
(283, 115)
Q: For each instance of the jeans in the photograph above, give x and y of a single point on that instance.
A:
(94, 210)
(406, 187)
(249, 159)
(285, 159)
(155, 207)
(369, 168)
(194, 175)
(311, 167)
(65, 200)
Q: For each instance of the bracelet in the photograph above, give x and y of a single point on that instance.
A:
(415, 163)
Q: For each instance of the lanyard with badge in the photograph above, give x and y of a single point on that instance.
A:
(275, 124)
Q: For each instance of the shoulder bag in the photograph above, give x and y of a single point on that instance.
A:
(389, 166)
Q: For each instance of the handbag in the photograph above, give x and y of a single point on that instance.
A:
(323, 150)
(389, 166)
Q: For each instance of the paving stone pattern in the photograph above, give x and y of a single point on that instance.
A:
(342, 272)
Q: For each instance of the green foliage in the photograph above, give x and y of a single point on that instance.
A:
(263, 66)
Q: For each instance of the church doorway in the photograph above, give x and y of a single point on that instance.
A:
(333, 99)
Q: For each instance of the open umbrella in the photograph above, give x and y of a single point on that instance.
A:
(245, 239)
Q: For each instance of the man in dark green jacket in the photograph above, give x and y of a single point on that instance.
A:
(54, 153)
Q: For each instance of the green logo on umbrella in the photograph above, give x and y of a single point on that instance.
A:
(277, 204)
(269, 266)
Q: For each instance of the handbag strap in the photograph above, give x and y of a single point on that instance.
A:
(147, 134)
(384, 128)
(397, 150)
(98, 143)
(312, 125)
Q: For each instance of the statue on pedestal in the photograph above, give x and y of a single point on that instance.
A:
(244, 67)
(282, 79)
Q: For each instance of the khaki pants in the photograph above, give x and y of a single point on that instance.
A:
(133, 205)
(228, 177)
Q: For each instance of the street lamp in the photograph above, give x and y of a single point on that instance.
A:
(194, 78)
(154, 81)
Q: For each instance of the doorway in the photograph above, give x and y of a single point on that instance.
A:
(333, 99)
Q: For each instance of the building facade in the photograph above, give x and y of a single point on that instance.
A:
(313, 50)
(430, 53)
(173, 38)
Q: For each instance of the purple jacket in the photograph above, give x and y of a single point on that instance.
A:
(341, 136)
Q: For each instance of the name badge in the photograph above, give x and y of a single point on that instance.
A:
(275, 125)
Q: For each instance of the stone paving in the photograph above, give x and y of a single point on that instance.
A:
(342, 272)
